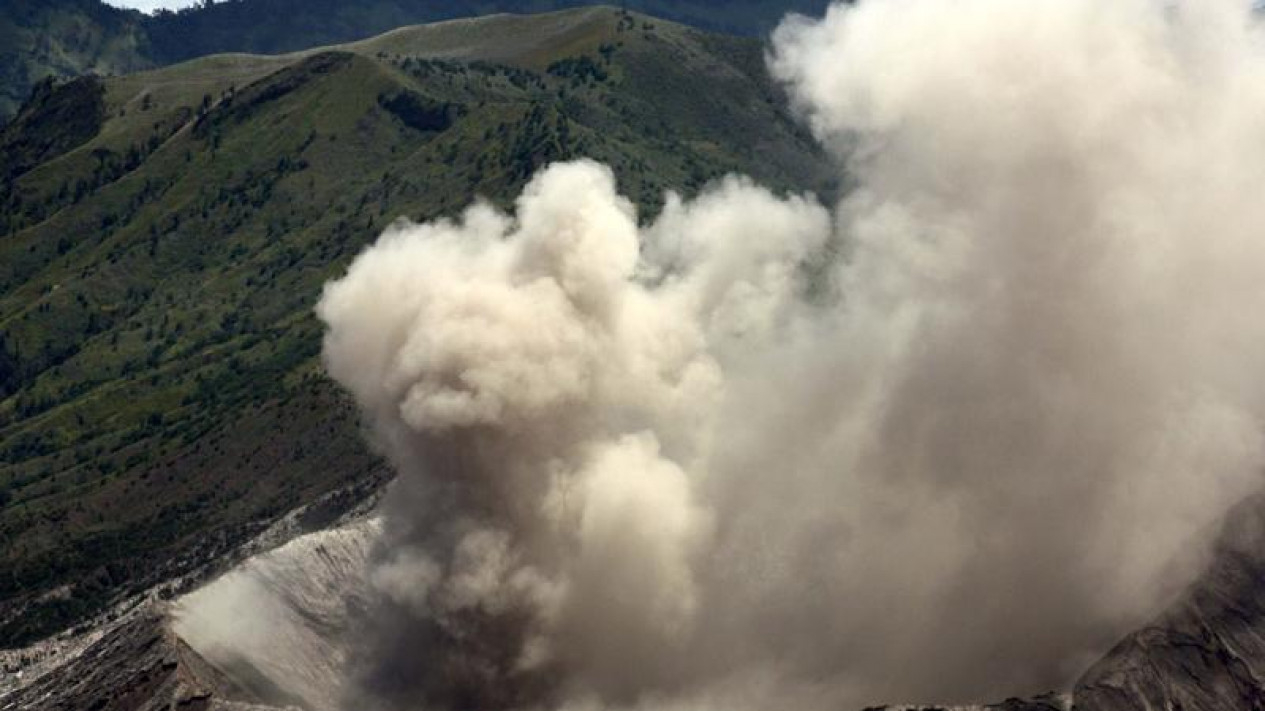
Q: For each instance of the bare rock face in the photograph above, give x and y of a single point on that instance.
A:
(137, 665)
(1207, 653)
(278, 625)
(268, 635)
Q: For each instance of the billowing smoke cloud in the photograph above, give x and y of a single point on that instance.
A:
(943, 442)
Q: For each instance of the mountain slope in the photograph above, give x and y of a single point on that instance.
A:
(162, 397)
(63, 38)
(68, 38)
(137, 665)
(297, 636)
(269, 26)
(1207, 652)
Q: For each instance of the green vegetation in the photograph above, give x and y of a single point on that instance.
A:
(269, 26)
(55, 120)
(161, 395)
(66, 38)
(418, 112)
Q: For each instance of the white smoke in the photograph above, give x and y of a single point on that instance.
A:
(945, 443)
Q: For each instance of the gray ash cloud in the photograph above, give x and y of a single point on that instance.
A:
(945, 440)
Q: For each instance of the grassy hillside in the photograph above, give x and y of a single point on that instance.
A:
(67, 38)
(271, 26)
(160, 391)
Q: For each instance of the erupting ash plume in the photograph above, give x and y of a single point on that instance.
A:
(943, 442)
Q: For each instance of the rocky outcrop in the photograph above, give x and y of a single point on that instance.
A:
(1207, 652)
(137, 665)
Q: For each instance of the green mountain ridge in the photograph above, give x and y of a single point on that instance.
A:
(161, 396)
(68, 38)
